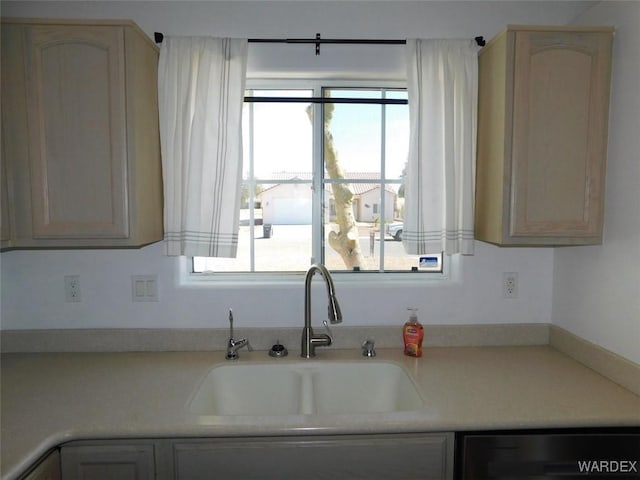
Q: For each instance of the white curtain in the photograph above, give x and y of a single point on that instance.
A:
(200, 90)
(442, 84)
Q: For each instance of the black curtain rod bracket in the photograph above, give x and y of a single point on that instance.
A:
(318, 40)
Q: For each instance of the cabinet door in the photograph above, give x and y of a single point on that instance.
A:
(5, 221)
(48, 469)
(108, 462)
(77, 129)
(383, 457)
(560, 112)
(14, 147)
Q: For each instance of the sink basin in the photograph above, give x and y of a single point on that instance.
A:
(363, 388)
(305, 388)
(248, 390)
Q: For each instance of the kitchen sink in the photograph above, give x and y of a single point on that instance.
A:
(363, 388)
(305, 388)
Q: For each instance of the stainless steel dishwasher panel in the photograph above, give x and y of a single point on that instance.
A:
(549, 456)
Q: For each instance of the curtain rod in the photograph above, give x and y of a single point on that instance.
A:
(158, 37)
(323, 100)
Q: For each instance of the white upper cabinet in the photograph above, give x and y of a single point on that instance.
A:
(542, 135)
(80, 108)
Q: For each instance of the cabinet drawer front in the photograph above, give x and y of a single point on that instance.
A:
(108, 462)
(376, 457)
(77, 131)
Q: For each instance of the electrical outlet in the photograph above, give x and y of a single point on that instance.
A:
(510, 285)
(72, 289)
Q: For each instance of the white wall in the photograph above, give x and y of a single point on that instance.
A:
(303, 19)
(597, 289)
(32, 282)
(33, 293)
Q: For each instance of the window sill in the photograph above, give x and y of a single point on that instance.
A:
(341, 279)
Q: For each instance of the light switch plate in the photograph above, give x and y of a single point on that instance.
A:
(144, 288)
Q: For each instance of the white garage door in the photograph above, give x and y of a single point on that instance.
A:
(292, 211)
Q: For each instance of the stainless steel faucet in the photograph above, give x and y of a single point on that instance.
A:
(311, 340)
(234, 345)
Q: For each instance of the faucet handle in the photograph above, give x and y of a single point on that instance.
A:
(368, 348)
(234, 345)
(329, 332)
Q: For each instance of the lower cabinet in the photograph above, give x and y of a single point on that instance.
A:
(371, 457)
(108, 461)
(47, 469)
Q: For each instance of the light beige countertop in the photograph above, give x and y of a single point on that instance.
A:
(51, 398)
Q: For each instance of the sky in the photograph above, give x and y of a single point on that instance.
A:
(282, 137)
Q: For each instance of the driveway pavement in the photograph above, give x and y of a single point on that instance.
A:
(289, 249)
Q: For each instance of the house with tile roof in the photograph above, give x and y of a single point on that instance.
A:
(287, 201)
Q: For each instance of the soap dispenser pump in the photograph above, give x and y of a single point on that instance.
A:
(413, 333)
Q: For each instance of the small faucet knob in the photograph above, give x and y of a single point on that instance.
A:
(368, 348)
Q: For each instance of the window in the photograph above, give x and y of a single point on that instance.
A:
(323, 182)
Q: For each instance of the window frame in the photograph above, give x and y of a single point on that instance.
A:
(317, 85)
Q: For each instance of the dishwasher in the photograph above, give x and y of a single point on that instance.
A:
(555, 454)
